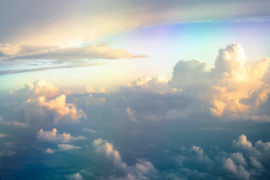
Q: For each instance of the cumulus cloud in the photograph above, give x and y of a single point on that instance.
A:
(107, 148)
(60, 108)
(242, 142)
(245, 162)
(239, 171)
(251, 161)
(157, 84)
(49, 151)
(41, 88)
(41, 96)
(234, 87)
(67, 147)
(76, 176)
(131, 115)
(141, 170)
(53, 136)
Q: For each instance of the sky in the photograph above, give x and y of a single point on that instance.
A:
(134, 90)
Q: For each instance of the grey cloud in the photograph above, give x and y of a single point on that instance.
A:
(16, 71)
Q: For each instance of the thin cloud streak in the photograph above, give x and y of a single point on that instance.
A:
(17, 71)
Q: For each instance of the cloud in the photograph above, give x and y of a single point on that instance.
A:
(131, 115)
(107, 148)
(197, 149)
(156, 84)
(76, 176)
(57, 57)
(16, 71)
(67, 147)
(60, 108)
(72, 22)
(8, 49)
(251, 162)
(53, 136)
(100, 51)
(238, 171)
(235, 88)
(42, 88)
(2, 135)
(242, 142)
(141, 170)
(245, 162)
(49, 151)
(13, 123)
(89, 130)
(7, 148)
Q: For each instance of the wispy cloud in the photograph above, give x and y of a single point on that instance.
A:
(58, 58)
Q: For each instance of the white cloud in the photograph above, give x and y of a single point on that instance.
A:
(76, 176)
(157, 84)
(89, 130)
(197, 149)
(53, 136)
(67, 147)
(239, 171)
(70, 53)
(59, 107)
(9, 49)
(49, 151)
(247, 161)
(131, 114)
(141, 170)
(105, 147)
(239, 158)
(235, 88)
(42, 88)
(242, 142)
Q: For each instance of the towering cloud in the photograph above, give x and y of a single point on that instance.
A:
(41, 88)
(61, 108)
(234, 87)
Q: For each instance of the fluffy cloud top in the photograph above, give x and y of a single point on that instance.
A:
(53, 136)
(242, 142)
(234, 87)
(105, 147)
(141, 170)
(41, 88)
(61, 108)
(248, 162)
(252, 161)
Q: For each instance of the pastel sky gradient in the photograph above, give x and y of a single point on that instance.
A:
(134, 90)
(163, 32)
